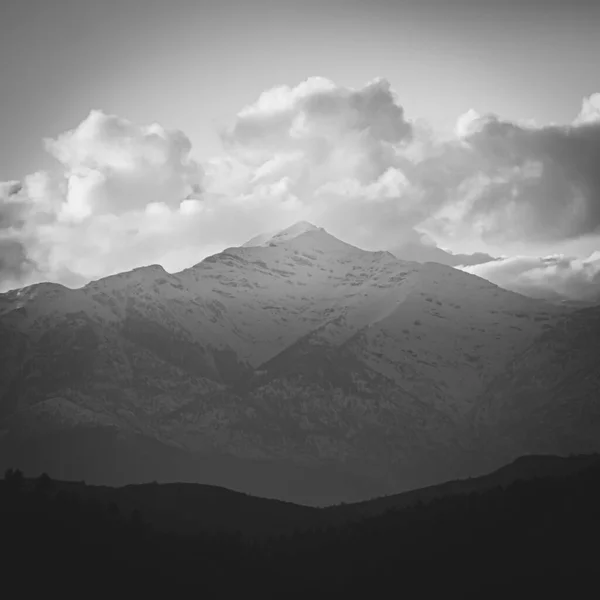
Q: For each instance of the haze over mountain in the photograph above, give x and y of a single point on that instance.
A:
(290, 361)
(421, 248)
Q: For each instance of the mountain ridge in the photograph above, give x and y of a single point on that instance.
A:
(193, 508)
(302, 349)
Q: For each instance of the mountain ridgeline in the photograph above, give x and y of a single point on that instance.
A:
(527, 530)
(296, 367)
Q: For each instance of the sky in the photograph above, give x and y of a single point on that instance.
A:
(138, 132)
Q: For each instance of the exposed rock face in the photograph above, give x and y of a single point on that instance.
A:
(300, 349)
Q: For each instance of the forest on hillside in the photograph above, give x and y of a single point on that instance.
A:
(529, 539)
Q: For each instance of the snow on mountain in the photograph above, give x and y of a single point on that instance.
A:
(293, 347)
(284, 235)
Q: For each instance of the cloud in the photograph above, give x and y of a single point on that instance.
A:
(590, 111)
(324, 140)
(113, 166)
(551, 277)
(14, 261)
(336, 150)
(512, 182)
(419, 247)
(11, 207)
(122, 194)
(112, 178)
(314, 116)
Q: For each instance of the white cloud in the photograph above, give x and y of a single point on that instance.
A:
(113, 166)
(546, 277)
(590, 111)
(123, 194)
(466, 124)
(390, 184)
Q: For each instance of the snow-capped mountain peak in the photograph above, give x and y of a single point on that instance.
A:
(305, 237)
(295, 347)
(282, 235)
(295, 230)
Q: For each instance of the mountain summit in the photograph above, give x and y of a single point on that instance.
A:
(305, 237)
(293, 359)
(299, 228)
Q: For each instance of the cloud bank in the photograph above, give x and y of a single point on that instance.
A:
(550, 277)
(122, 195)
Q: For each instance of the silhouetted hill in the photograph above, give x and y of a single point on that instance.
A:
(522, 469)
(532, 538)
(188, 508)
(108, 457)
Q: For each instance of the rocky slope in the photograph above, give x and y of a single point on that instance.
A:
(295, 348)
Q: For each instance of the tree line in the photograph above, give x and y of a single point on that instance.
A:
(532, 538)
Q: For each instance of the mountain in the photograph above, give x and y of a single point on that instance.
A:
(296, 357)
(418, 251)
(192, 509)
(277, 237)
(547, 398)
(524, 468)
(579, 298)
(196, 508)
(538, 521)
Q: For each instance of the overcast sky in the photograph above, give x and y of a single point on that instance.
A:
(140, 131)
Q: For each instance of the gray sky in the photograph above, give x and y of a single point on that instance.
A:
(471, 122)
(191, 64)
